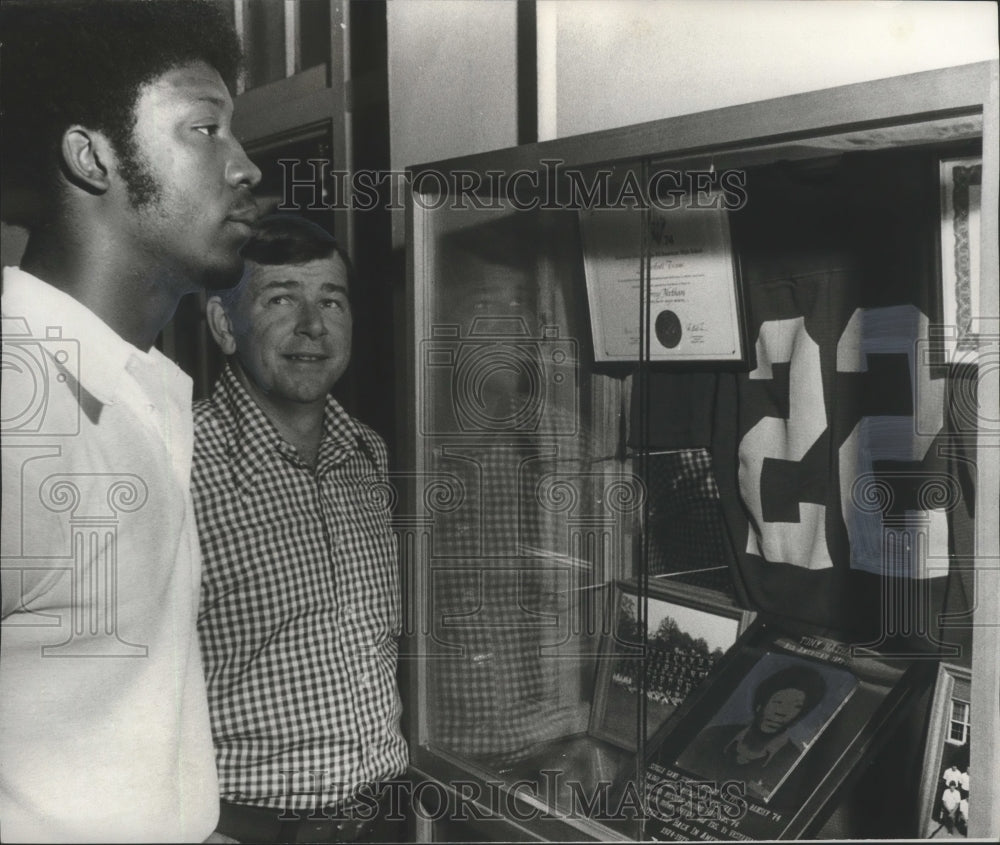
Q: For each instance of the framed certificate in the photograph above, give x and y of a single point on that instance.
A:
(681, 261)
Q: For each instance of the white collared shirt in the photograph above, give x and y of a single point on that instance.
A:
(104, 730)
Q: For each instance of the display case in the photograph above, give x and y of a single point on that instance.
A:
(692, 404)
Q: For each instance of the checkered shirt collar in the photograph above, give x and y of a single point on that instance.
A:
(253, 438)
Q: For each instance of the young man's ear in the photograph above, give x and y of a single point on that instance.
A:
(220, 325)
(87, 158)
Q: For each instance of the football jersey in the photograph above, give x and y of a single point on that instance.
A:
(842, 477)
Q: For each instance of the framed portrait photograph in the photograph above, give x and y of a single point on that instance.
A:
(686, 635)
(769, 722)
(763, 746)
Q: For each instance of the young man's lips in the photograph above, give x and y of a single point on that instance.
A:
(244, 226)
(246, 215)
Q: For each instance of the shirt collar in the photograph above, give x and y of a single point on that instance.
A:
(766, 753)
(255, 439)
(45, 312)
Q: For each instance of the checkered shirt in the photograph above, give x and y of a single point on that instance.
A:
(501, 606)
(299, 613)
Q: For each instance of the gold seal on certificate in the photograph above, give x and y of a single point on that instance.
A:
(683, 265)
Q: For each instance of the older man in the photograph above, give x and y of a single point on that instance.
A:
(300, 606)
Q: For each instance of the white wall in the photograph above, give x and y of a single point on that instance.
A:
(619, 62)
(452, 80)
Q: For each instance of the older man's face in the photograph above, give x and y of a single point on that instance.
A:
(292, 328)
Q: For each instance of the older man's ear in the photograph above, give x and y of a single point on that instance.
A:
(220, 325)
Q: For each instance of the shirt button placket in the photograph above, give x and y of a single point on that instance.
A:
(322, 508)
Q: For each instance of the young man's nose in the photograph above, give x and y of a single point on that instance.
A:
(240, 170)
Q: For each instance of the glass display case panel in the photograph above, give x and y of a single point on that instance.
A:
(534, 492)
(543, 508)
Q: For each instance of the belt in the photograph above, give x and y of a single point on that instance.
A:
(347, 822)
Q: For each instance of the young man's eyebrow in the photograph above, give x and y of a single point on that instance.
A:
(211, 98)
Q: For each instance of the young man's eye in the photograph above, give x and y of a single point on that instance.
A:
(335, 304)
(280, 299)
(209, 129)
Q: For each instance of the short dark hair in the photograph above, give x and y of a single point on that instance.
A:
(84, 61)
(278, 239)
(290, 239)
(803, 678)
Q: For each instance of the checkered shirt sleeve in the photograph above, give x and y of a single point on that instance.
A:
(299, 613)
